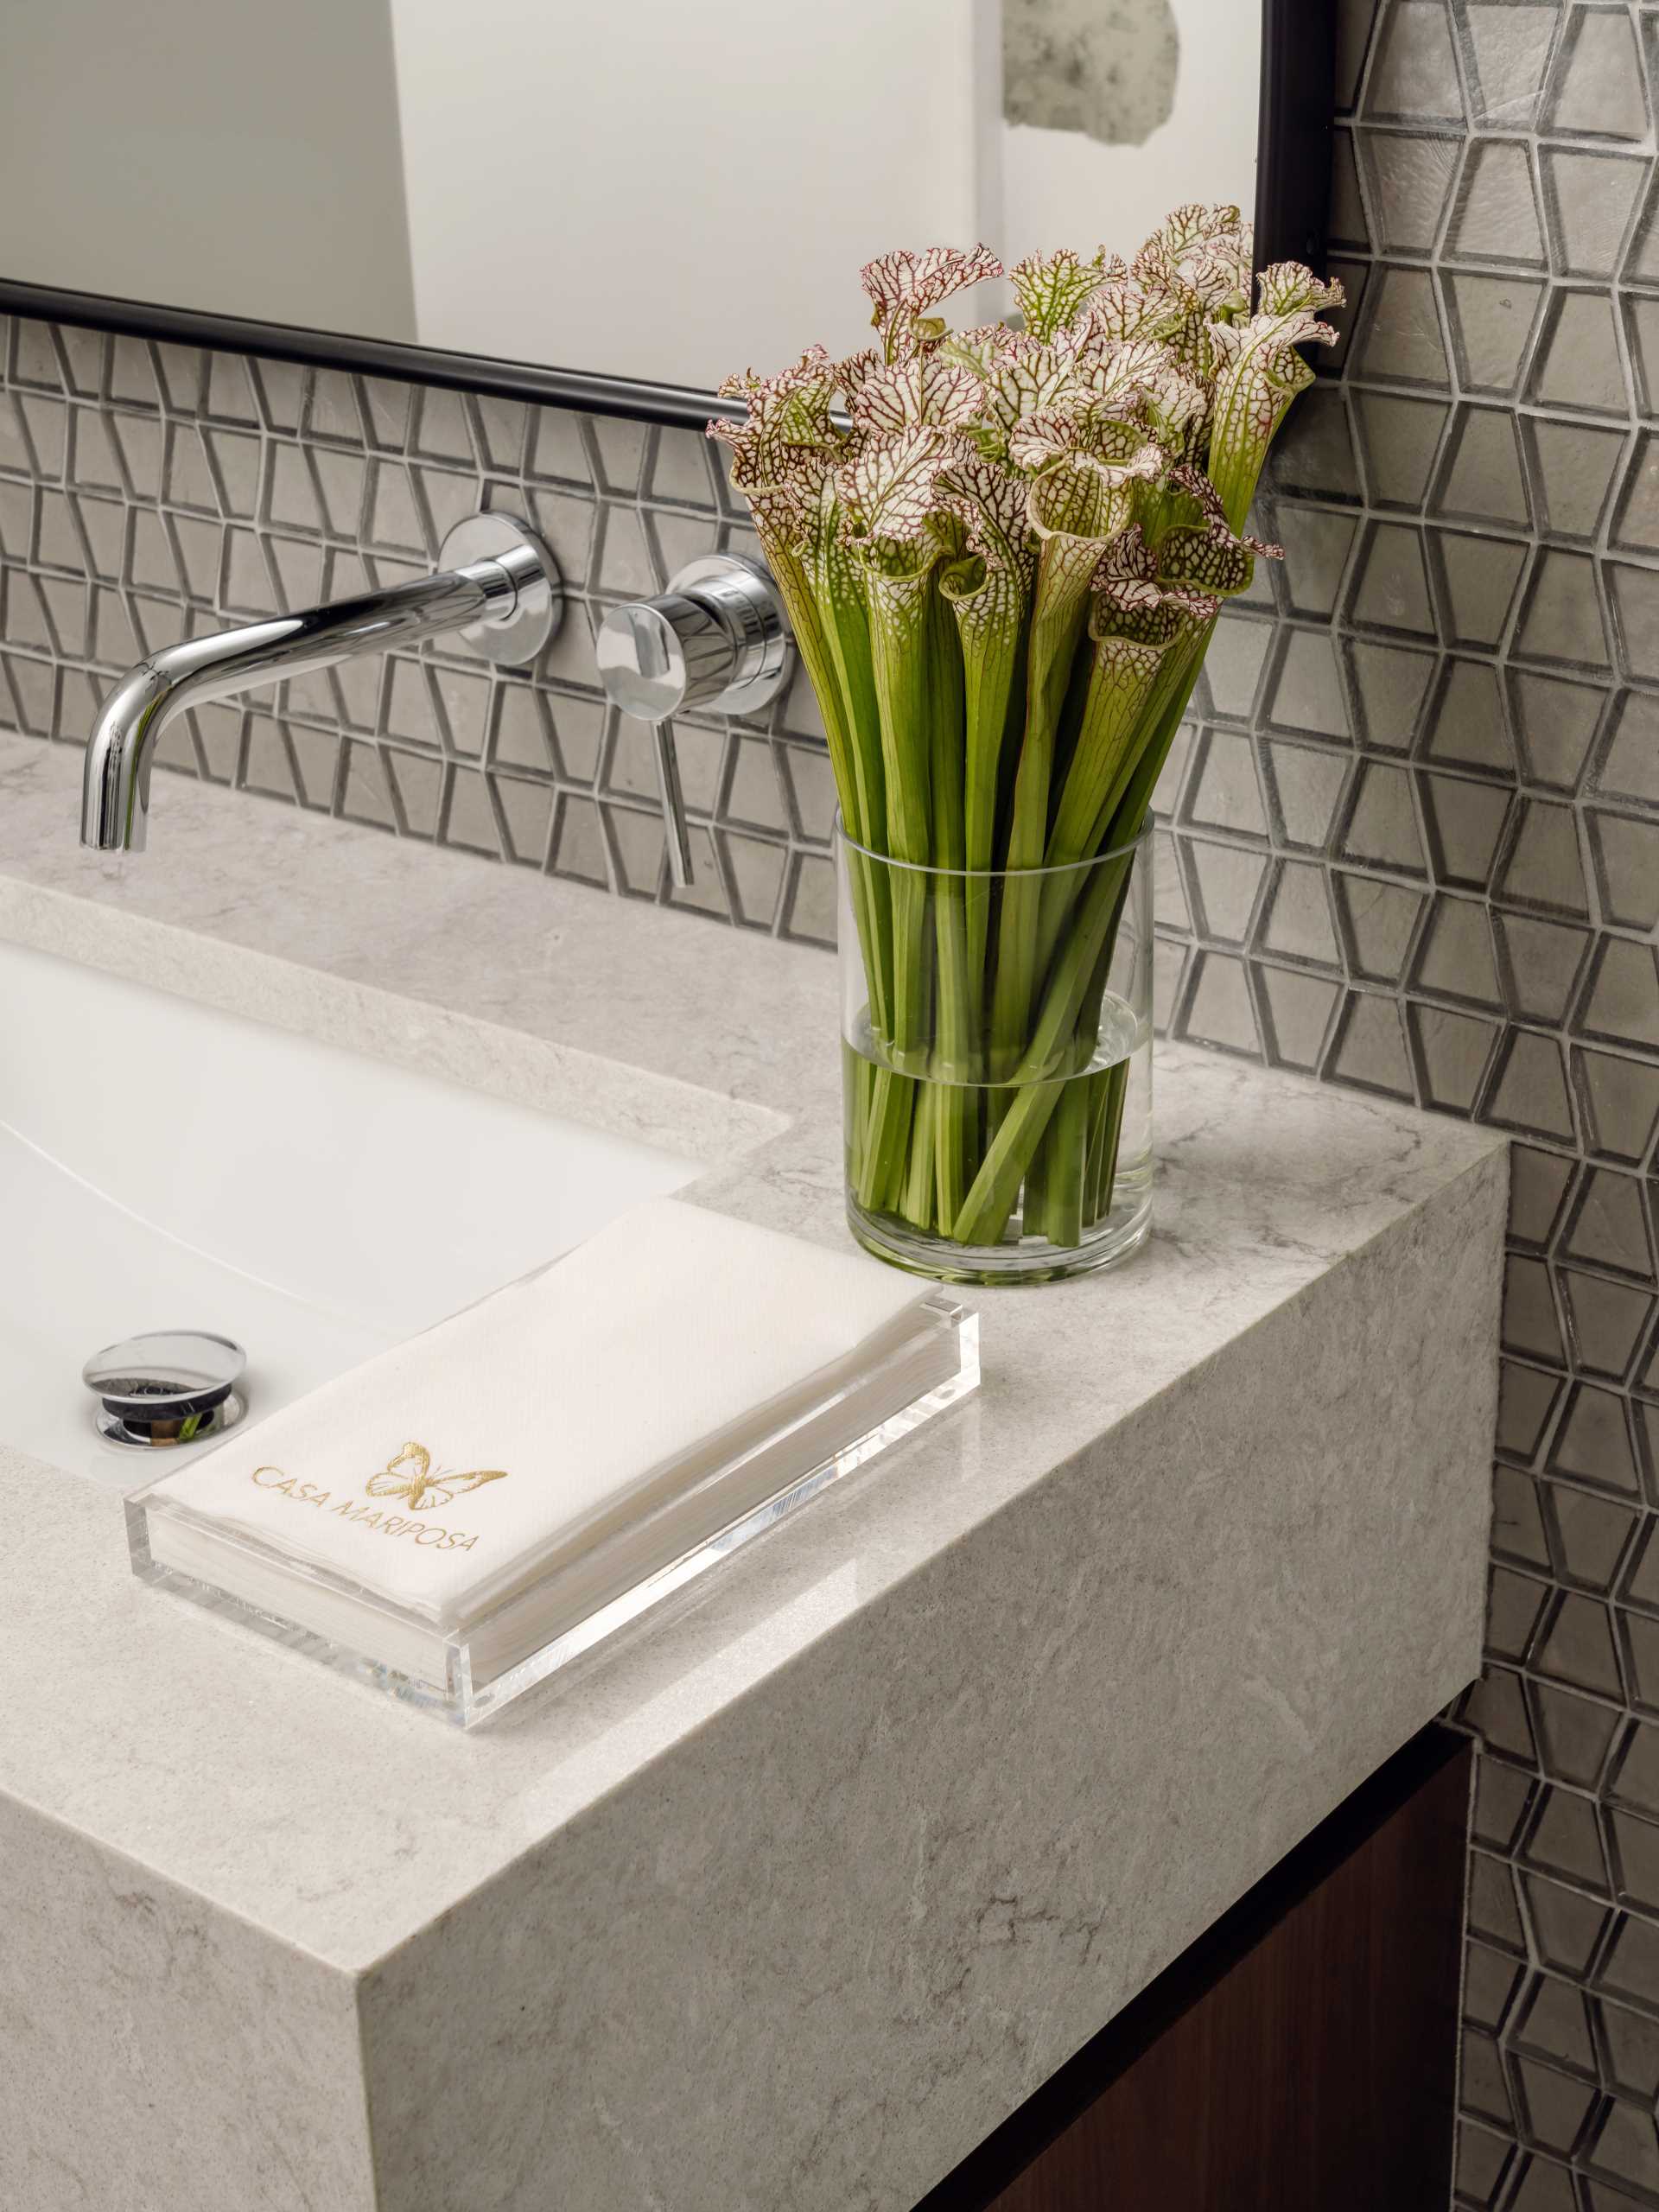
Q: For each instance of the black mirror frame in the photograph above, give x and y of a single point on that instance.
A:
(1292, 214)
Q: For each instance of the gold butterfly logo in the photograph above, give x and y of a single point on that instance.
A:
(409, 1476)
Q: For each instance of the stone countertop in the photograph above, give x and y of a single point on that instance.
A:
(922, 1788)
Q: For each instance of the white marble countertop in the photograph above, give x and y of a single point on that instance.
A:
(1249, 1636)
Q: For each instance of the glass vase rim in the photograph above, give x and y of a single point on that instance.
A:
(843, 837)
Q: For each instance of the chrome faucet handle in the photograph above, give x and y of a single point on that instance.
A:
(718, 637)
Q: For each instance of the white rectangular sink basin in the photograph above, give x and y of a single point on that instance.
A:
(163, 1166)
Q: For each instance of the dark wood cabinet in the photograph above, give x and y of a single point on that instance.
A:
(1301, 2057)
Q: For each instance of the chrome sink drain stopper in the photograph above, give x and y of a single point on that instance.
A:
(174, 1386)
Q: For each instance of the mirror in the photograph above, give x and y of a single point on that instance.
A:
(619, 204)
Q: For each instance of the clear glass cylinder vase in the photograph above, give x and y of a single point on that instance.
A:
(997, 1063)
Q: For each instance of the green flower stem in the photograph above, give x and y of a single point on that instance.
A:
(1032, 1098)
(1068, 1138)
(1102, 1152)
(955, 1056)
(1059, 610)
(989, 606)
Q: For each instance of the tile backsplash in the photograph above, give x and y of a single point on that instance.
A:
(1411, 837)
(152, 491)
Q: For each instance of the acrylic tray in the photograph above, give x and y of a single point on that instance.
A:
(468, 1671)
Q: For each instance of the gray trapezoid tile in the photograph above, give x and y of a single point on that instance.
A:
(1589, 205)
(1467, 722)
(1606, 1229)
(1232, 667)
(579, 851)
(132, 379)
(619, 448)
(289, 497)
(1640, 329)
(1496, 216)
(1408, 180)
(1389, 590)
(1619, 1097)
(755, 869)
(1224, 791)
(1225, 882)
(1627, 759)
(1633, 597)
(1389, 687)
(1466, 819)
(1305, 784)
(236, 462)
(808, 914)
(1295, 921)
(417, 786)
(1413, 76)
(681, 471)
(1398, 338)
(1557, 721)
(1314, 457)
(1607, 1320)
(1219, 1010)
(500, 430)
(1356, 27)
(1492, 321)
(752, 788)
(441, 428)
(1378, 923)
(1381, 827)
(1624, 853)
(1636, 517)
(1452, 1051)
(364, 793)
(1455, 957)
(1620, 997)
(469, 820)
(1561, 619)
(1368, 1049)
(279, 387)
(1531, 1324)
(1400, 437)
(1317, 541)
(334, 405)
(1543, 868)
(1597, 88)
(1508, 43)
(1577, 364)
(1475, 578)
(1480, 478)
(521, 731)
(1573, 467)
(1528, 1090)
(1304, 684)
(1542, 964)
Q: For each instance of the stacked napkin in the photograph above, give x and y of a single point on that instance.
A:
(548, 1448)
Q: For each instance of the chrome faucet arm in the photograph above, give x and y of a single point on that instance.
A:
(506, 602)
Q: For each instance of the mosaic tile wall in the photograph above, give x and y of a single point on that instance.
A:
(1415, 849)
(1412, 842)
(150, 492)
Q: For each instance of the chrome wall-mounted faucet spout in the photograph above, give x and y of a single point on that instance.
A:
(499, 586)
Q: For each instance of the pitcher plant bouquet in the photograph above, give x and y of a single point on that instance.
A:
(1003, 550)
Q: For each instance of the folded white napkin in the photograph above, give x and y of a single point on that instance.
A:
(542, 1428)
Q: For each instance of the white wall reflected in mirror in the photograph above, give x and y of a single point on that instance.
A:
(647, 190)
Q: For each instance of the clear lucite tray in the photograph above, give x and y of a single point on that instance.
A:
(467, 1671)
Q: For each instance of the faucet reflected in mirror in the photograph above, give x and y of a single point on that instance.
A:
(499, 586)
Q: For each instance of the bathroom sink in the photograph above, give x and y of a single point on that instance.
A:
(166, 1166)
